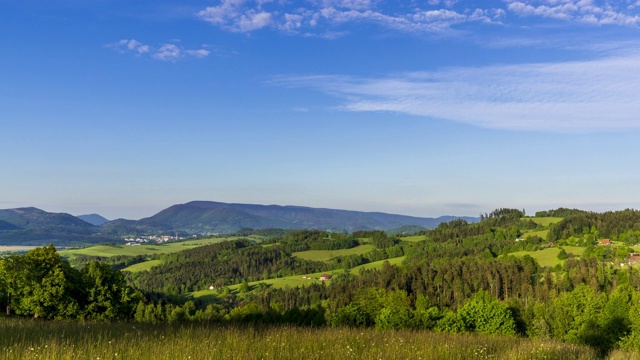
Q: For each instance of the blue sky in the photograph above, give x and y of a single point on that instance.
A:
(426, 108)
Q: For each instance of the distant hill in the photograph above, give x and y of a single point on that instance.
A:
(33, 218)
(93, 219)
(32, 226)
(217, 217)
(5, 226)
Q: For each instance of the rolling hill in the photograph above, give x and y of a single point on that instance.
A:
(93, 219)
(31, 226)
(217, 217)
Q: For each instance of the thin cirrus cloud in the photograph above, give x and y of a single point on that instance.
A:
(577, 96)
(434, 16)
(164, 52)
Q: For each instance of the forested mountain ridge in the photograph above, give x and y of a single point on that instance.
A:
(93, 219)
(217, 217)
(32, 226)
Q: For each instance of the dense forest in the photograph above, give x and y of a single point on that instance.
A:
(460, 278)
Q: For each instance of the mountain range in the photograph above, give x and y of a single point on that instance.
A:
(32, 226)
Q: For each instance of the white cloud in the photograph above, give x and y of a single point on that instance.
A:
(231, 15)
(567, 97)
(164, 52)
(585, 11)
(319, 16)
(251, 15)
(167, 52)
(130, 45)
(349, 4)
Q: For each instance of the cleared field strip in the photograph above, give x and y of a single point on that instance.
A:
(147, 265)
(544, 221)
(414, 238)
(539, 233)
(302, 280)
(326, 255)
(377, 264)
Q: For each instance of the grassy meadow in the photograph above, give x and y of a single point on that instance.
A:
(33, 339)
(549, 256)
(544, 221)
(414, 238)
(144, 249)
(300, 280)
(326, 255)
(143, 266)
(539, 233)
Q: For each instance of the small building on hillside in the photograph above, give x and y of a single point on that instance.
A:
(605, 242)
(550, 244)
(633, 259)
(325, 277)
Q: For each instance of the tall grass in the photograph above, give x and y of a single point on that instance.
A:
(31, 339)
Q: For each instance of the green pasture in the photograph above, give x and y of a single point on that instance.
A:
(544, 221)
(144, 249)
(302, 279)
(540, 233)
(377, 264)
(143, 266)
(326, 255)
(549, 257)
(414, 238)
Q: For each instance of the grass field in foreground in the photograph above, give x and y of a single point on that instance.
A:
(145, 249)
(549, 257)
(33, 339)
(326, 255)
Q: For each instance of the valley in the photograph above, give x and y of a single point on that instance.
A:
(497, 276)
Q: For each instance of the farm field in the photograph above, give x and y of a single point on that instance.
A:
(145, 249)
(326, 255)
(549, 257)
(31, 339)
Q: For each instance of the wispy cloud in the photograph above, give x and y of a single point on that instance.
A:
(578, 96)
(586, 11)
(314, 17)
(163, 52)
(321, 16)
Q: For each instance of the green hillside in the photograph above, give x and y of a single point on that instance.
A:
(325, 255)
(144, 249)
(549, 257)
